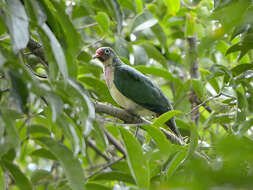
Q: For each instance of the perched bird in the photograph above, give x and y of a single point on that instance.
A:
(133, 90)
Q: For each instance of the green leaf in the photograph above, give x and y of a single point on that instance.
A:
(173, 6)
(121, 47)
(17, 22)
(84, 56)
(140, 55)
(56, 105)
(135, 159)
(245, 126)
(39, 129)
(194, 140)
(118, 13)
(147, 24)
(103, 20)
(174, 164)
(114, 176)
(57, 51)
(154, 53)
(74, 40)
(96, 186)
(71, 165)
(43, 153)
(127, 4)
(160, 73)
(87, 103)
(41, 175)
(198, 87)
(239, 69)
(100, 88)
(165, 117)
(19, 177)
(19, 90)
(139, 6)
(12, 132)
(160, 139)
(2, 180)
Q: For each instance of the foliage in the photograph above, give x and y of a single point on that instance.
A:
(51, 137)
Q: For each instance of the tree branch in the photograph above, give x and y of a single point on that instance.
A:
(132, 119)
(93, 146)
(106, 166)
(194, 73)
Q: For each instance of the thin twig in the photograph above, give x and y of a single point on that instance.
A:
(115, 142)
(207, 100)
(91, 144)
(106, 166)
(87, 26)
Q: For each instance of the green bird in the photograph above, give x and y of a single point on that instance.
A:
(132, 90)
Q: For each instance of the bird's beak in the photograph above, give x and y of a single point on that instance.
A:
(95, 56)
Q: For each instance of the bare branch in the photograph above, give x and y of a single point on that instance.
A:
(132, 119)
(115, 142)
(87, 26)
(91, 144)
(105, 166)
(194, 72)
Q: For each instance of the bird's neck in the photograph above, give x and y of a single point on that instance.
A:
(112, 62)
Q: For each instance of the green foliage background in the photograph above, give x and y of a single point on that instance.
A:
(48, 122)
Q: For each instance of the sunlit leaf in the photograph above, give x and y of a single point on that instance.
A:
(165, 117)
(173, 6)
(103, 20)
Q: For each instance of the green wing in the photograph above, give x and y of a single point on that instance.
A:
(140, 89)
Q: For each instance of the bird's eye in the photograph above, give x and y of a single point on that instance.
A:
(107, 51)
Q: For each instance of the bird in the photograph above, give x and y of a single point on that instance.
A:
(133, 90)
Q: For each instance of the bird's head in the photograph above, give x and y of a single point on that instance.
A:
(104, 54)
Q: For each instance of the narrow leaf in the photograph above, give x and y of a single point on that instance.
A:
(57, 51)
(71, 165)
(17, 23)
(146, 24)
(19, 177)
(174, 164)
(135, 158)
(165, 117)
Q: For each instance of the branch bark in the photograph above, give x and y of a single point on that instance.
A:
(194, 73)
(132, 119)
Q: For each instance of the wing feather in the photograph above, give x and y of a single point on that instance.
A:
(140, 89)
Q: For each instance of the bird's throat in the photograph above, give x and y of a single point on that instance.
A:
(108, 75)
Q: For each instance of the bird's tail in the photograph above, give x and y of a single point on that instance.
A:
(172, 125)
